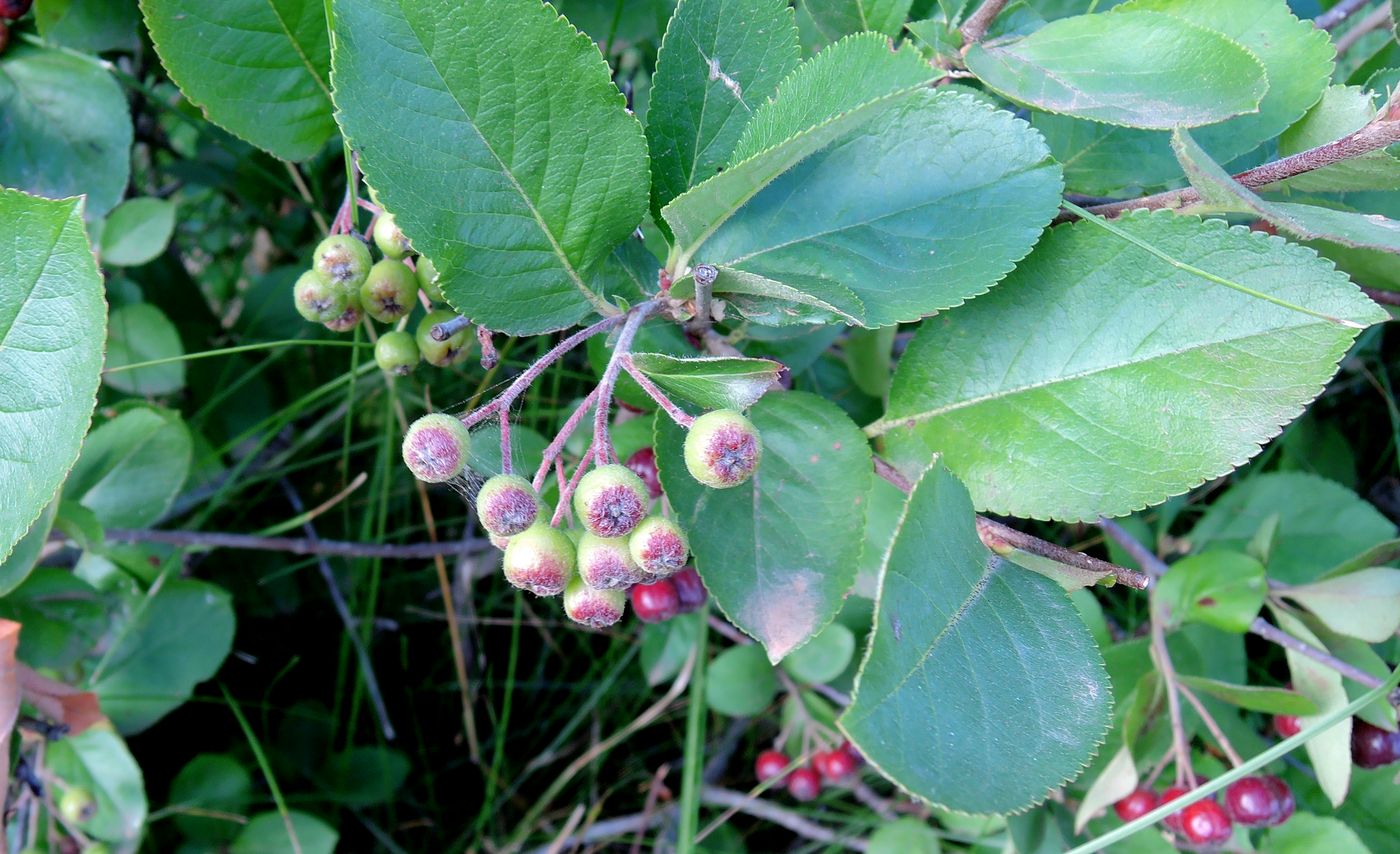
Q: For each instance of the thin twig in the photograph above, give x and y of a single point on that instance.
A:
(556, 446)
(1220, 739)
(1378, 18)
(567, 492)
(506, 466)
(678, 415)
(448, 328)
(602, 442)
(293, 545)
(769, 811)
(1338, 13)
(977, 24)
(1164, 666)
(1382, 297)
(1151, 564)
(658, 780)
(489, 357)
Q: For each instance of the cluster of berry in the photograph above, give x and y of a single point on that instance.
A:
(345, 283)
(1249, 802)
(620, 544)
(1371, 746)
(805, 783)
(11, 10)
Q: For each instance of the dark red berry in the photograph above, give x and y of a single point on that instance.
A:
(14, 8)
(1371, 746)
(1137, 804)
(1287, 726)
(690, 589)
(804, 784)
(644, 464)
(656, 602)
(856, 756)
(1284, 804)
(770, 765)
(834, 765)
(1205, 823)
(1250, 801)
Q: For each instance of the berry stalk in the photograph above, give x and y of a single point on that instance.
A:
(551, 453)
(601, 440)
(677, 414)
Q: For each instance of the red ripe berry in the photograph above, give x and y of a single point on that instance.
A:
(834, 765)
(1250, 801)
(644, 464)
(1287, 726)
(655, 602)
(770, 765)
(1284, 804)
(1171, 793)
(1371, 746)
(804, 784)
(855, 755)
(1205, 823)
(1137, 804)
(14, 8)
(690, 589)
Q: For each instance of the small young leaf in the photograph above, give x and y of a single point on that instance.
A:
(1117, 780)
(1330, 750)
(1256, 698)
(1139, 69)
(136, 231)
(740, 681)
(140, 332)
(1218, 588)
(215, 782)
(259, 69)
(905, 835)
(824, 658)
(803, 298)
(710, 382)
(365, 776)
(1363, 604)
(966, 649)
(16, 568)
(1306, 833)
(666, 646)
(266, 833)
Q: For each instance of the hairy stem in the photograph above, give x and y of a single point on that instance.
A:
(677, 414)
(1215, 733)
(1164, 666)
(506, 467)
(1379, 17)
(568, 491)
(489, 357)
(977, 24)
(602, 442)
(556, 447)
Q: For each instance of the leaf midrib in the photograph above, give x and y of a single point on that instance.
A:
(301, 54)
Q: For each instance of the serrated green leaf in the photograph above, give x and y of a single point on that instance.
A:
(1364, 604)
(141, 333)
(100, 762)
(981, 689)
(260, 69)
(514, 176)
(16, 568)
(1256, 698)
(1343, 109)
(825, 98)
(1222, 193)
(779, 552)
(1330, 750)
(740, 682)
(1320, 523)
(52, 325)
(710, 382)
(1099, 379)
(132, 467)
(67, 129)
(1138, 69)
(884, 212)
(1219, 588)
(837, 18)
(719, 61)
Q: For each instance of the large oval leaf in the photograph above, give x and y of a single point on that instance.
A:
(887, 212)
(258, 68)
(66, 129)
(1139, 69)
(779, 552)
(52, 324)
(494, 133)
(1099, 378)
(981, 689)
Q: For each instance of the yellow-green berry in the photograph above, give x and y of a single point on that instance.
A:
(659, 547)
(592, 607)
(540, 560)
(722, 449)
(389, 237)
(435, 447)
(76, 805)
(317, 301)
(389, 291)
(442, 354)
(343, 261)
(396, 353)
(611, 500)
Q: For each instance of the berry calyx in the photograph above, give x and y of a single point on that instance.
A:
(1205, 823)
(1284, 802)
(389, 237)
(77, 805)
(427, 279)
(659, 547)
(348, 319)
(441, 354)
(389, 291)
(592, 607)
(834, 765)
(14, 8)
(540, 560)
(656, 602)
(689, 589)
(611, 501)
(606, 563)
(342, 261)
(435, 447)
(1371, 746)
(770, 765)
(804, 784)
(1250, 801)
(1287, 726)
(396, 353)
(722, 449)
(643, 462)
(1138, 803)
(507, 504)
(317, 301)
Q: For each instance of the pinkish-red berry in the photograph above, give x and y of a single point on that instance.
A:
(1250, 801)
(722, 449)
(643, 463)
(656, 602)
(591, 607)
(659, 547)
(804, 784)
(435, 448)
(834, 765)
(1287, 726)
(611, 501)
(690, 589)
(1205, 823)
(507, 504)
(770, 765)
(1371, 746)
(1138, 803)
(1171, 793)
(1284, 803)
(607, 563)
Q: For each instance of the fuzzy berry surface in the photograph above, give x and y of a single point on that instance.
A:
(606, 563)
(659, 547)
(435, 447)
(540, 560)
(804, 784)
(348, 319)
(770, 765)
(591, 607)
(722, 449)
(689, 589)
(390, 238)
(317, 301)
(1137, 804)
(656, 602)
(1205, 824)
(507, 504)
(643, 463)
(611, 501)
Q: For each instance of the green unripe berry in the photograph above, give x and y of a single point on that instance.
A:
(442, 354)
(348, 319)
(605, 563)
(342, 261)
(507, 504)
(317, 301)
(611, 500)
(592, 607)
(389, 238)
(540, 560)
(389, 291)
(427, 279)
(722, 449)
(396, 352)
(77, 805)
(659, 547)
(97, 848)
(435, 447)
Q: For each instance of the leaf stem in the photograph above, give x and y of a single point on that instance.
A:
(1379, 17)
(567, 492)
(506, 465)
(1164, 666)
(1338, 13)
